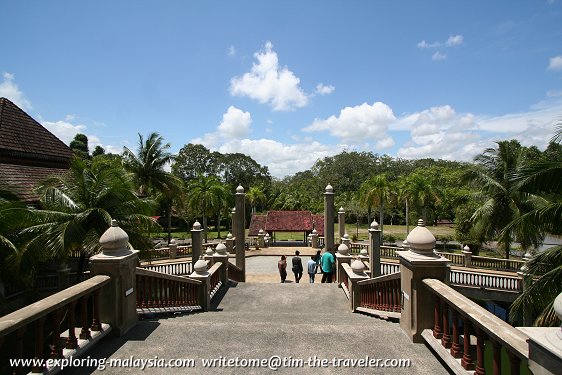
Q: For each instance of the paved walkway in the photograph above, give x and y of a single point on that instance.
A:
(258, 321)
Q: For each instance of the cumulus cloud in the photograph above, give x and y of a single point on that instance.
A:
(322, 89)
(555, 63)
(454, 40)
(424, 44)
(364, 122)
(235, 123)
(267, 82)
(64, 130)
(9, 89)
(438, 56)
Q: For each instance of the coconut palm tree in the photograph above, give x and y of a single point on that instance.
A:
(376, 192)
(544, 271)
(503, 200)
(418, 190)
(206, 195)
(255, 195)
(147, 166)
(78, 209)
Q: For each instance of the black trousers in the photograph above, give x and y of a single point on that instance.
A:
(327, 277)
(298, 276)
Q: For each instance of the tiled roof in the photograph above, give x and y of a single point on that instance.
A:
(22, 179)
(289, 221)
(257, 223)
(319, 224)
(22, 135)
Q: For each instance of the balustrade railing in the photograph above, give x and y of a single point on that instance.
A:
(381, 293)
(159, 292)
(480, 279)
(176, 268)
(234, 273)
(496, 263)
(165, 253)
(388, 268)
(356, 247)
(53, 327)
(216, 282)
(390, 251)
(456, 259)
(457, 320)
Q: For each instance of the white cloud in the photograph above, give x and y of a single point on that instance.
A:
(235, 123)
(438, 56)
(267, 82)
(231, 51)
(64, 130)
(454, 40)
(555, 63)
(324, 89)
(424, 44)
(9, 90)
(360, 123)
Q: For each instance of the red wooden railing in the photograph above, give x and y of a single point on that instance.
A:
(381, 293)
(157, 290)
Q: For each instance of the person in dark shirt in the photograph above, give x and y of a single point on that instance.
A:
(297, 266)
(282, 266)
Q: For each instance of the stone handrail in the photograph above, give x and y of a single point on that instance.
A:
(234, 272)
(160, 292)
(59, 310)
(456, 259)
(497, 263)
(166, 253)
(478, 279)
(452, 304)
(216, 282)
(176, 268)
(349, 282)
(381, 294)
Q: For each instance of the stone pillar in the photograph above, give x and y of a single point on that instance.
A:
(266, 240)
(261, 239)
(240, 233)
(196, 242)
(314, 239)
(329, 218)
(359, 274)
(221, 255)
(200, 273)
(375, 247)
(341, 222)
(467, 256)
(234, 220)
(416, 264)
(342, 256)
(118, 304)
(229, 243)
(173, 249)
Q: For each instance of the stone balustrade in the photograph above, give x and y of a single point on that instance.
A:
(175, 268)
(479, 279)
(234, 272)
(59, 326)
(350, 277)
(450, 309)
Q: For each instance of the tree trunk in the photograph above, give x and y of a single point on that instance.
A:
(169, 222)
(219, 225)
(382, 217)
(205, 226)
(407, 219)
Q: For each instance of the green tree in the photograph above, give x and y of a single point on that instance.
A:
(80, 146)
(206, 195)
(376, 191)
(502, 199)
(79, 206)
(255, 195)
(98, 151)
(419, 191)
(194, 160)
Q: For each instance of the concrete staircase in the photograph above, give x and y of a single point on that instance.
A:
(296, 321)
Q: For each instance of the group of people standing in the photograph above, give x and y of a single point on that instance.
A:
(323, 261)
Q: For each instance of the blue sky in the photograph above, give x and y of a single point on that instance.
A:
(289, 82)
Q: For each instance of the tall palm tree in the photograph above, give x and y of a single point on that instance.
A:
(147, 166)
(376, 192)
(255, 195)
(544, 271)
(206, 195)
(419, 190)
(503, 200)
(79, 207)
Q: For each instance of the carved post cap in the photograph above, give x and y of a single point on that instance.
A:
(197, 225)
(221, 249)
(357, 267)
(200, 267)
(374, 225)
(341, 211)
(466, 249)
(421, 240)
(229, 236)
(114, 240)
(343, 249)
(329, 189)
(239, 190)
